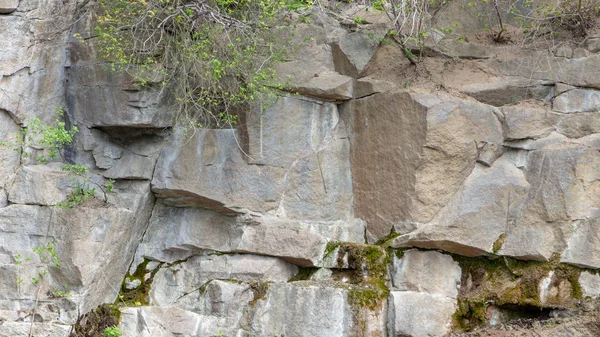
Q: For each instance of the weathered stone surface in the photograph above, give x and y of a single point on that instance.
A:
(579, 125)
(159, 321)
(583, 247)
(564, 191)
(178, 233)
(477, 214)
(286, 239)
(581, 72)
(180, 283)
(307, 139)
(593, 44)
(296, 164)
(208, 169)
(577, 100)
(100, 97)
(40, 185)
(416, 314)
(9, 152)
(223, 306)
(531, 123)
(430, 138)
(502, 91)
(125, 153)
(328, 86)
(352, 53)
(15, 329)
(467, 50)
(314, 309)
(426, 272)
(8, 6)
(367, 86)
(590, 284)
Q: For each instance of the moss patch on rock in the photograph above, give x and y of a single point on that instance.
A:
(139, 295)
(94, 322)
(511, 283)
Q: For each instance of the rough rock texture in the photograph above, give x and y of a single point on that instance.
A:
(422, 303)
(330, 212)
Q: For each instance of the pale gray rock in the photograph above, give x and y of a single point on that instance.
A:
(352, 52)
(581, 72)
(285, 239)
(426, 272)
(477, 214)
(132, 284)
(590, 284)
(579, 124)
(159, 321)
(314, 309)
(577, 100)
(563, 193)
(117, 100)
(178, 233)
(369, 86)
(593, 44)
(328, 86)
(125, 153)
(314, 53)
(9, 149)
(526, 122)
(224, 306)
(41, 185)
(8, 6)
(416, 314)
(207, 168)
(295, 164)
(176, 284)
(308, 140)
(583, 247)
(454, 48)
(21, 329)
(501, 91)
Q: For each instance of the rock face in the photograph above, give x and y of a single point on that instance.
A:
(379, 199)
(422, 303)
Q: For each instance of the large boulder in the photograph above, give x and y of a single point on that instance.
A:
(291, 159)
(563, 179)
(316, 309)
(178, 233)
(411, 152)
(8, 6)
(423, 299)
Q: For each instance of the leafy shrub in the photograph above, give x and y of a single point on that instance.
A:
(214, 57)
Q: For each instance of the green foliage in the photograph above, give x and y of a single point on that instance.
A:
(48, 253)
(214, 58)
(112, 331)
(360, 20)
(62, 293)
(50, 138)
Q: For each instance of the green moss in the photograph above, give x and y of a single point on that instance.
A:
(304, 274)
(139, 295)
(510, 283)
(387, 240)
(330, 247)
(470, 314)
(260, 291)
(498, 243)
(370, 294)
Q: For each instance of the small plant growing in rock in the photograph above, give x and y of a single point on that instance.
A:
(112, 331)
(49, 140)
